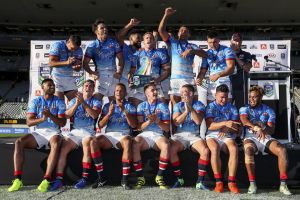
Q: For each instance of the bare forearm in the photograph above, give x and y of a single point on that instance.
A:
(143, 125)
(196, 117)
(180, 119)
(214, 126)
(104, 121)
(58, 63)
(34, 122)
(58, 121)
(199, 52)
(70, 112)
(165, 74)
(131, 120)
(164, 126)
(162, 28)
(90, 111)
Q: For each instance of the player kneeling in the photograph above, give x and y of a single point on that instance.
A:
(259, 120)
(188, 115)
(84, 109)
(118, 117)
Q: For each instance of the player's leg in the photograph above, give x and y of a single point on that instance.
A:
(280, 151)
(126, 144)
(232, 165)
(250, 149)
(175, 148)
(201, 148)
(215, 160)
(27, 141)
(96, 144)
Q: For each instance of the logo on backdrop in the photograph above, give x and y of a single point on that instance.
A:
(269, 89)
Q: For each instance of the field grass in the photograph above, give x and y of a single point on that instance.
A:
(151, 193)
(11, 135)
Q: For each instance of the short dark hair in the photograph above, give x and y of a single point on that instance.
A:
(212, 35)
(90, 81)
(122, 85)
(150, 33)
(257, 89)
(189, 87)
(148, 85)
(75, 39)
(47, 80)
(96, 23)
(222, 88)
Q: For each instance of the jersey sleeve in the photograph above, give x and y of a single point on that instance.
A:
(61, 108)
(243, 111)
(32, 107)
(164, 113)
(55, 49)
(131, 109)
(209, 111)
(89, 52)
(272, 116)
(235, 114)
(199, 107)
(176, 108)
(79, 53)
(229, 54)
(117, 47)
(97, 104)
(164, 57)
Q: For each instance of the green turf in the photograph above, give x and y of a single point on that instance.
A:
(10, 135)
(151, 193)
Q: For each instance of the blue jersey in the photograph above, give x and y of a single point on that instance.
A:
(149, 62)
(117, 122)
(81, 118)
(56, 106)
(263, 114)
(104, 54)
(221, 113)
(182, 68)
(128, 52)
(216, 60)
(189, 125)
(144, 109)
(59, 49)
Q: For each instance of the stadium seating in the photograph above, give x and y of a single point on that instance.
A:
(13, 110)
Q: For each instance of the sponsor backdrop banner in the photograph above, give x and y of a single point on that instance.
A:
(276, 50)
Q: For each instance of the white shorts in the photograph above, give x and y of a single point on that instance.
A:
(78, 135)
(211, 90)
(176, 84)
(43, 136)
(187, 139)
(114, 137)
(221, 141)
(151, 137)
(64, 84)
(138, 93)
(106, 84)
(261, 145)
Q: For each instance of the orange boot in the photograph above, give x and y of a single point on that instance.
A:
(219, 187)
(233, 188)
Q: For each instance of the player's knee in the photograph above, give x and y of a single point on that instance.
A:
(94, 143)
(205, 152)
(55, 141)
(19, 143)
(214, 149)
(136, 146)
(165, 146)
(127, 142)
(281, 152)
(233, 150)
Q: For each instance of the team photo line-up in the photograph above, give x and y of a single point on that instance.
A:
(137, 102)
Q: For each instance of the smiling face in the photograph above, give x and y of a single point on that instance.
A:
(120, 92)
(183, 33)
(48, 87)
(221, 98)
(151, 93)
(88, 88)
(135, 40)
(255, 99)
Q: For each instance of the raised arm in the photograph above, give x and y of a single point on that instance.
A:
(123, 32)
(162, 25)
